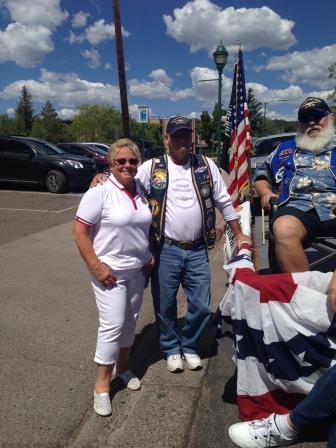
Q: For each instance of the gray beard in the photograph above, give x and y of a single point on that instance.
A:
(316, 144)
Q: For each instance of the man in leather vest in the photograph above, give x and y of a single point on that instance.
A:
(301, 173)
(184, 190)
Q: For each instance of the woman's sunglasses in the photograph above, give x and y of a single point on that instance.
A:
(123, 161)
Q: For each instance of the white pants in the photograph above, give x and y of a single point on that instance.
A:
(118, 310)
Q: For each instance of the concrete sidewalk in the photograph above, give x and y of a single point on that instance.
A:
(47, 339)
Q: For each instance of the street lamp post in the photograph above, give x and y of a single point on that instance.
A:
(220, 57)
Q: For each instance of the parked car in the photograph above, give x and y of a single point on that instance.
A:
(33, 160)
(104, 146)
(263, 146)
(97, 154)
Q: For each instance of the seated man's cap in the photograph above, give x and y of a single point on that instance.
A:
(177, 123)
(313, 108)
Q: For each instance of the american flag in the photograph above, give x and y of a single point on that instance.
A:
(284, 332)
(238, 131)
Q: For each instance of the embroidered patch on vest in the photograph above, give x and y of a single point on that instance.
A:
(155, 207)
(159, 179)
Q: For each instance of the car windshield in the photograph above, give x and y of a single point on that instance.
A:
(47, 148)
(101, 147)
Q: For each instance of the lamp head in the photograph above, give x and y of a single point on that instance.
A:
(220, 56)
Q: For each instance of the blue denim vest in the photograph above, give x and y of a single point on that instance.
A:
(284, 169)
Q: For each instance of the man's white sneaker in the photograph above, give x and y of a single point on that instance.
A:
(258, 434)
(193, 361)
(131, 381)
(102, 404)
(174, 363)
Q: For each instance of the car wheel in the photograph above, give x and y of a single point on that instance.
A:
(55, 181)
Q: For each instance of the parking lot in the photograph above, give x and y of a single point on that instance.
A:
(27, 210)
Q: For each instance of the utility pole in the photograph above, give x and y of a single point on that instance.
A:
(121, 69)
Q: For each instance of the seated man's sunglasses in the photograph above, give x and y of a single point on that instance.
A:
(123, 161)
(313, 116)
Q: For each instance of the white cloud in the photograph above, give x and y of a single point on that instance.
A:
(160, 75)
(10, 112)
(201, 23)
(93, 57)
(75, 38)
(79, 20)
(107, 66)
(159, 88)
(99, 31)
(36, 12)
(25, 44)
(310, 67)
(65, 89)
(207, 91)
(67, 114)
(96, 33)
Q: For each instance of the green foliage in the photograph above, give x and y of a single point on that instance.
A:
(8, 125)
(96, 124)
(206, 129)
(255, 114)
(151, 134)
(216, 116)
(49, 127)
(24, 112)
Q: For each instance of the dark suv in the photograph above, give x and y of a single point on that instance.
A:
(28, 159)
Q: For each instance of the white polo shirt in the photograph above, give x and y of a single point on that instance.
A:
(120, 224)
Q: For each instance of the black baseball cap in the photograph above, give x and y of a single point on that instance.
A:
(177, 123)
(313, 108)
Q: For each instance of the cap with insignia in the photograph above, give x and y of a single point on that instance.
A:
(177, 123)
(313, 109)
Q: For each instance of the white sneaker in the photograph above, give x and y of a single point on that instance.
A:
(174, 363)
(131, 381)
(258, 434)
(102, 403)
(193, 361)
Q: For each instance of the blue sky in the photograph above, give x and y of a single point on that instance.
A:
(64, 51)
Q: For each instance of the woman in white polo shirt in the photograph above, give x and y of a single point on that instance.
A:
(111, 231)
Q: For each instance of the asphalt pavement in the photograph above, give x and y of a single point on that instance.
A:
(48, 326)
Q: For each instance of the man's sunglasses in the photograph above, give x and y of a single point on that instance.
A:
(124, 161)
(315, 116)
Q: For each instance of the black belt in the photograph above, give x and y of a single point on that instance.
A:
(184, 244)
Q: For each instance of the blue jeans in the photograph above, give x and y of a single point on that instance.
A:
(190, 268)
(319, 405)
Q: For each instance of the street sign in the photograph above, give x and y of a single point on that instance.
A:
(143, 114)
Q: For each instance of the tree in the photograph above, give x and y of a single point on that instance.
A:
(206, 129)
(255, 114)
(152, 137)
(216, 116)
(24, 112)
(8, 125)
(332, 74)
(49, 126)
(96, 124)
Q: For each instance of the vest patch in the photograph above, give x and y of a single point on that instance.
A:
(159, 179)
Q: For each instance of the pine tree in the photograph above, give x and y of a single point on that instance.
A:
(255, 114)
(48, 125)
(24, 111)
(205, 129)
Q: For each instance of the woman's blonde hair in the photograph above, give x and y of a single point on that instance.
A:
(122, 143)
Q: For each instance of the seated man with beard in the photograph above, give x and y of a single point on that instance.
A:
(301, 173)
